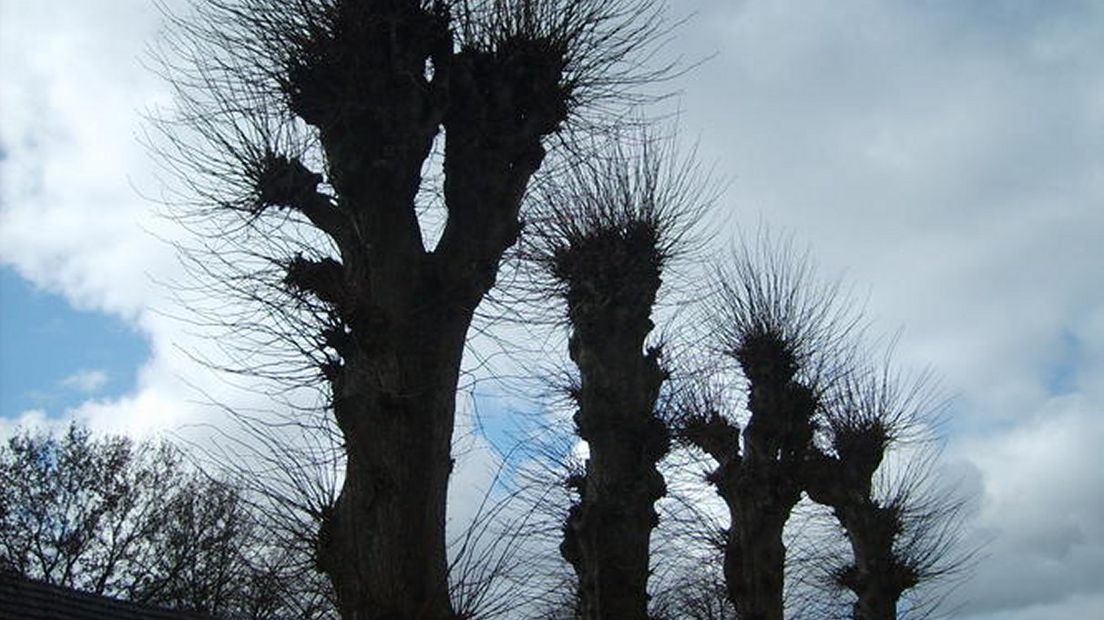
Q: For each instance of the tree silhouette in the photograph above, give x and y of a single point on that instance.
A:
(133, 520)
(903, 531)
(820, 420)
(610, 228)
(301, 137)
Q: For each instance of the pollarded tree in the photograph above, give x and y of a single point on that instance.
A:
(819, 421)
(611, 228)
(303, 133)
(902, 529)
(776, 329)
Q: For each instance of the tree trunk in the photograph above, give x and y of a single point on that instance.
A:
(755, 564)
(607, 534)
(875, 604)
(759, 504)
(762, 484)
(876, 576)
(384, 546)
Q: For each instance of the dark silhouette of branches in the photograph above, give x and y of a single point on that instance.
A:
(134, 520)
(608, 231)
(903, 529)
(299, 150)
(820, 419)
(786, 334)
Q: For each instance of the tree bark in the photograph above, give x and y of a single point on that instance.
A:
(607, 534)
(759, 502)
(762, 483)
(384, 546)
(876, 576)
(755, 555)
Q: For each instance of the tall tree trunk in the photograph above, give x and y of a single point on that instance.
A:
(877, 577)
(759, 503)
(755, 557)
(607, 534)
(384, 546)
(612, 279)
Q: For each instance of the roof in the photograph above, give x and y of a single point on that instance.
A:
(34, 600)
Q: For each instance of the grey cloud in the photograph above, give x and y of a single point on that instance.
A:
(946, 156)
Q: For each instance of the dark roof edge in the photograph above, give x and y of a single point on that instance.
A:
(38, 599)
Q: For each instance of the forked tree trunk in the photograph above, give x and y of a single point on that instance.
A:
(876, 576)
(762, 483)
(400, 312)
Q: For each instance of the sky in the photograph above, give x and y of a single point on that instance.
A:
(946, 157)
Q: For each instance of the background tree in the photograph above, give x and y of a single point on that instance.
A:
(78, 512)
(303, 130)
(133, 521)
(902, 529)
(818, 421)
(774, 327)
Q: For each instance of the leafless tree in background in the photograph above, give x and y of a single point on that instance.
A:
(874, 469)
(133, 520)
(818, 421)
(774, 326)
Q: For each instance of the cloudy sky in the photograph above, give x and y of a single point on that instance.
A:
(945, 156)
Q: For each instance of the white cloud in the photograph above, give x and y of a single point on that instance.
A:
(72, 216)
(87, 381)
(31, 418)
(72, 220)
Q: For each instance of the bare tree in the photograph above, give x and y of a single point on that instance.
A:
(903, 529)
(778, 327)
(78, 512)
(820, 419)
(134, 521)
(303, 130)
(610, 228)
(315, 143)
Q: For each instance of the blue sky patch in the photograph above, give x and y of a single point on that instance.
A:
(53, 357)
(1060, 374)
(509, 426)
